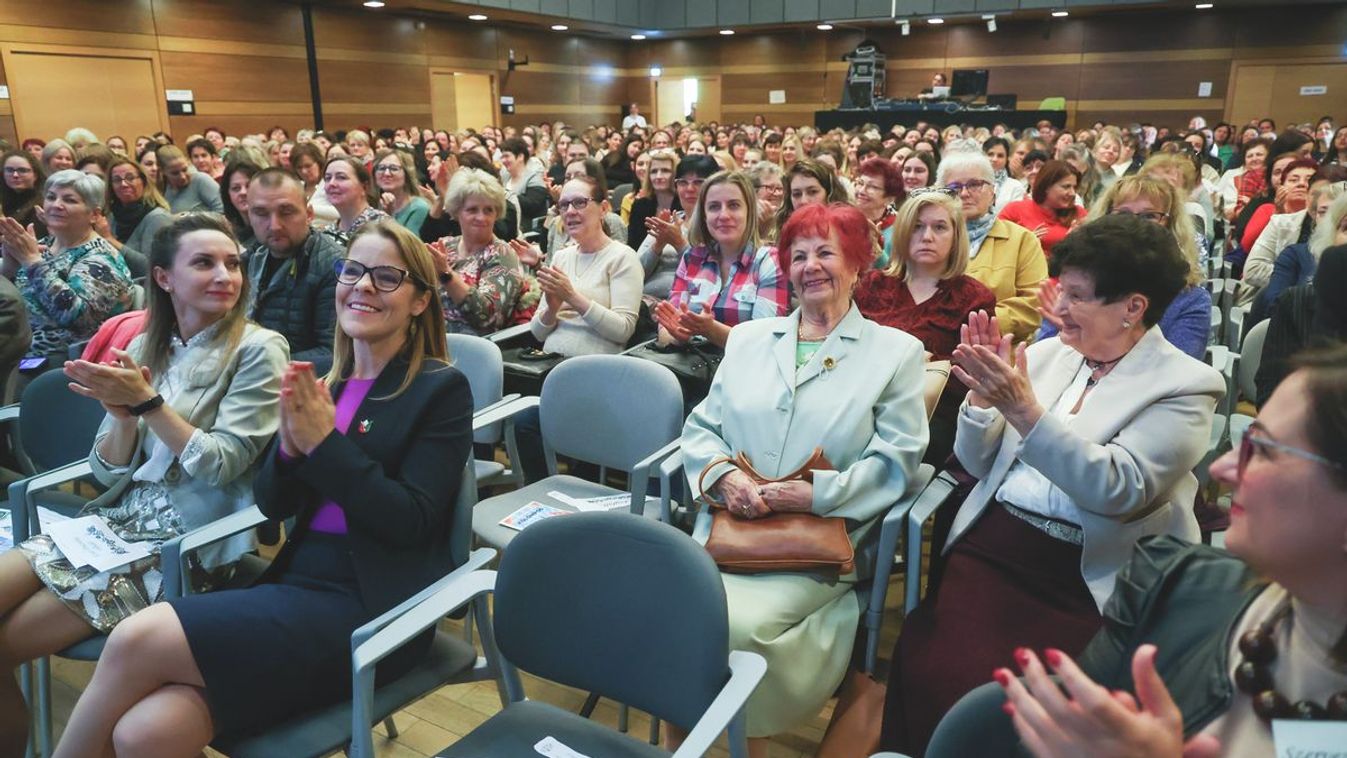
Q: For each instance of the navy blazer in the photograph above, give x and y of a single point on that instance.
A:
(395, 474)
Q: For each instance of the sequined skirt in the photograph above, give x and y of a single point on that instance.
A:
(144, 513)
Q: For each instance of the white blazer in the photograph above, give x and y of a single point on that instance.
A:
(859, 398)
(1126, 460)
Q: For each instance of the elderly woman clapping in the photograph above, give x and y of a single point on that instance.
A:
(479, 274)
(73, 280)
(822, 378)
(1083, 445)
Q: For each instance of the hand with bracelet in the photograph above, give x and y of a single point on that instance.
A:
(123, 387)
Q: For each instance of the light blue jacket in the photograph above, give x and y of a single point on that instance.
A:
(859, 398)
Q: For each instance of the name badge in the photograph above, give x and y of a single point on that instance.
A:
(1310, 739)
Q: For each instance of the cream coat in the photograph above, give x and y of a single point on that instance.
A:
(1125, 461)
(859, 397)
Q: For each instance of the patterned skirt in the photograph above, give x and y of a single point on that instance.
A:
(145, 514)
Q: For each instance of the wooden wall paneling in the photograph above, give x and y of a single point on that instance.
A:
(1152, 80)
(1160, 30)
(7, 130)
(257, 21)
(1281, 26)
(458, 40)
(364, 82)
(237, 77)
(367, 32)
(752, 90)
(121, 17)
(53, 88)
(1017, 38)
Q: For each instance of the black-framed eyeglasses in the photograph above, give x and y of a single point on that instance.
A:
(972, 185)
(384, 278)
(1251, 440)
(1155, 217)
(388, 168)
(18, 170)
(578, 203)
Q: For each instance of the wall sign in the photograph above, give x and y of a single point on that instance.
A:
(1314, 89)
(179, 95)
(181, 102)
(776, 96)
(507, 104)
(4, 92)
(1204, 89)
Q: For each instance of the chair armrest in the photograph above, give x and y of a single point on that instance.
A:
(23, 509)
(503, 411)
(927, 503)
(638, 346)
(9, 413)
(746, 671)
(640, 478)
(890, 755)
(171, 553)
(508, 333)
(492, 409)
(376, 640)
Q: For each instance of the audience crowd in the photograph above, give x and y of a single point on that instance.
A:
(262, 316)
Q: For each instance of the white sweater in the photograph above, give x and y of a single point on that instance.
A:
(611, 279)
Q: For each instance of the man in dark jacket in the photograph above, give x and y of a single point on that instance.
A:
(292, 268)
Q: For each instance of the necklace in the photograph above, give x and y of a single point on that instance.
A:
(1100, 369)
(1253, 677)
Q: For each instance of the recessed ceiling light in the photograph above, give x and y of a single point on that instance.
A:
(727, 32)
(1060, 14)
(476, 17)
(638, 37)
(1203, 6)
(936, 21)
(559, 27)
(825, 27)
(655, 72)
(374, 3)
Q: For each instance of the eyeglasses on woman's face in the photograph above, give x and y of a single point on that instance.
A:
(1155, 217)
(1255, 440)
(578, 203)
(18, 170)
(972, 185)
(388, 168)
(384, 278)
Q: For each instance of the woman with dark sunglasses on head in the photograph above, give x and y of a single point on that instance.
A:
(367, 461)
(1202, 648)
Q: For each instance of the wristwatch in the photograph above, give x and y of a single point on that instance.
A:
(446, 277)
(147, 406)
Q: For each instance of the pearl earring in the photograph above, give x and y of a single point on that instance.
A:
(1127, 324)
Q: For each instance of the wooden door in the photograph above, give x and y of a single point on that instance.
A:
(669, 101)
(708, 99)
(107, 92)
(1275, 90)
(461, 99)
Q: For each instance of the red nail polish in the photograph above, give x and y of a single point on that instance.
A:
(1008, 708)
(1053, 656)
(1002, 677)
(1022, 656)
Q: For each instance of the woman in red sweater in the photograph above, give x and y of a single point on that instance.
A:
(1050, 211)
(925, 292)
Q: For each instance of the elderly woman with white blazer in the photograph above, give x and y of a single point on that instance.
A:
(823, 377)
(1082, 445)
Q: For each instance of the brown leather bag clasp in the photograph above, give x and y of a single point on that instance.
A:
(781, 541)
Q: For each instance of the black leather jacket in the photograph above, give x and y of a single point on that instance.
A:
(1184, 599)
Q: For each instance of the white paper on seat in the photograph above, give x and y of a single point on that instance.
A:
(604, 503)
(89, 541)
(552, 747)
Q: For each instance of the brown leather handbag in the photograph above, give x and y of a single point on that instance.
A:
(781, 541)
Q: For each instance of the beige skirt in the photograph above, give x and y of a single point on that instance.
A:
(805, 627)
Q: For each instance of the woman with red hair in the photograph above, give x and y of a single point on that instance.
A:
(821, 379)
(1050, 211)
(879, 191)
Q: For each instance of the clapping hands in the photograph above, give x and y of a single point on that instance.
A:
(119, 385)
(995, 372)
(308, 414)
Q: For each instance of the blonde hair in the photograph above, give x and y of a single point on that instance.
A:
(906, 223)
(1326, 231)
(425, 334)
(700, 234)
(664, 155)
(1166, 199)
(1173, 161)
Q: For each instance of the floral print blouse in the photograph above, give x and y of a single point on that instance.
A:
(494, 278)
(70, 293)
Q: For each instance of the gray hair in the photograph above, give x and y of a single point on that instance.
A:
(474, 182)
(762, 171)
(88, 186)
(56, 145)
(1327, 229)
(963, 160)
(80, 136)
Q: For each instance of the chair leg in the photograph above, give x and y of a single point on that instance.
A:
(654, 730)
(391, 728)
(587, 709)
(622, 713)
(42, 693)
(467, 626)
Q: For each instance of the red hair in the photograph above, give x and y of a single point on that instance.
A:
(887, 173)
(855, 234)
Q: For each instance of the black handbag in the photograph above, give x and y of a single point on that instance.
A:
(694, 363)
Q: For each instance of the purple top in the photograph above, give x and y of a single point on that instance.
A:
(329, 517)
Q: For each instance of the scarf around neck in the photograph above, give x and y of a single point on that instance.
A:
(978, 228)
(128, 217)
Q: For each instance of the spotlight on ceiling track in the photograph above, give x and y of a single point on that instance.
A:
(727, 32)
(935, 21)
(991, 24)
(374, 3)
(477, 17)
(824, 27)
(907, 28)
(559, 27)
(1060, 14)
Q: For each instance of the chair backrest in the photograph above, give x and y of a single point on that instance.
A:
(1251, 355)
(626, 607)
(976, 725)
(480, 361)
(460, 539)
(56, 426)
(619, 194)
(612, 410)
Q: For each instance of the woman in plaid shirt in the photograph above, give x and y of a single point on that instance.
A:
(726, 278)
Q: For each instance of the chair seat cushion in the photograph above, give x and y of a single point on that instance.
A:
(323, 731)
(487, 470)
(486, 517)
(519, 727)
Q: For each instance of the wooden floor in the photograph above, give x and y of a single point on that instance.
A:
(438, 720)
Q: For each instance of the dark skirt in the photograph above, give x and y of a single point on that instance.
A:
(1005, 585)
(278, 649)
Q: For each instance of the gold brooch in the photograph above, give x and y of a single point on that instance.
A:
(828, 363)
